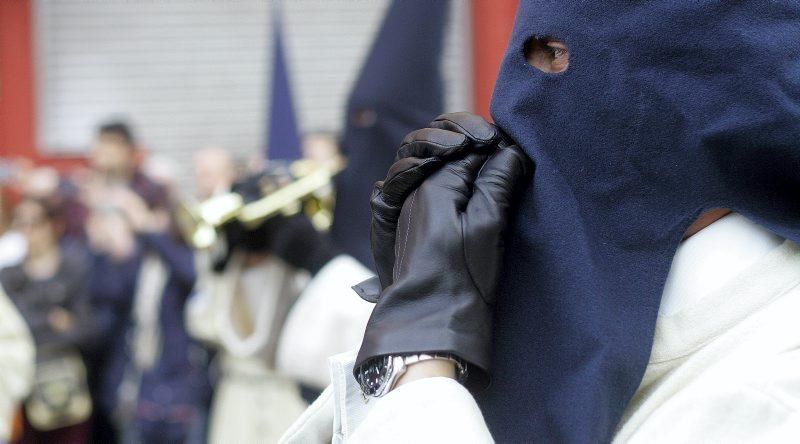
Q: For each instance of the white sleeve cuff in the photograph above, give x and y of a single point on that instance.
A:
(430, 409)
(328, 318)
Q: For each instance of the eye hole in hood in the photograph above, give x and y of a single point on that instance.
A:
(547, 54)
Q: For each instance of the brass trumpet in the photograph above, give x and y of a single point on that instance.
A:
(302, 185)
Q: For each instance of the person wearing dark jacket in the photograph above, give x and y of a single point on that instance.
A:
(50, 290)
(155, 383)
(174, 391)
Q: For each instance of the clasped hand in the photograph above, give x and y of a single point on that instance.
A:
(438, 228)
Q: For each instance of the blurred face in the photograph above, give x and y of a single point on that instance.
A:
(112, 157)
(320, 147)
(213, 172)
(31, 220)
(40, 183)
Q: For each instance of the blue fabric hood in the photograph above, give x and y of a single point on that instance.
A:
(667, 109)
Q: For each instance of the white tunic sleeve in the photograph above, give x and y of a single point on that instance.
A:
(431, 410)
(435, 410)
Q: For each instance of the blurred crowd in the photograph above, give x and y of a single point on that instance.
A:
(114, 329)
(122, 315)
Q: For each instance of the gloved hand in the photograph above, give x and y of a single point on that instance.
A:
(445, 250)
(450, 136)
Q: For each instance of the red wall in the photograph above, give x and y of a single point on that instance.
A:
(492, 21)
(16, 80)
(17, 93)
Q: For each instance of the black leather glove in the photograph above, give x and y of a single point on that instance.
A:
(446, 247)
(450, 136)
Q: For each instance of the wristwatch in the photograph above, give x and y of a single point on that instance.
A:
(379, 375)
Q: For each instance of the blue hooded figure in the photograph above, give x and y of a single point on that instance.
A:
(283, 141)
(399, 89)
(666, 110)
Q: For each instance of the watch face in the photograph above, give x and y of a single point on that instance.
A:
(373, 375)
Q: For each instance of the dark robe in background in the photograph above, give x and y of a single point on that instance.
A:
(399, 90)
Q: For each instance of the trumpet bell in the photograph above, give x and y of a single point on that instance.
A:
(284, 198)
(303, 186)
(219, 210)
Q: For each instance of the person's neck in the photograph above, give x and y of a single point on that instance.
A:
(44, 263)
(706, 219)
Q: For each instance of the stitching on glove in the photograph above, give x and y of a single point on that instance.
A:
(405, 240)
(467, 263)
(437, 144)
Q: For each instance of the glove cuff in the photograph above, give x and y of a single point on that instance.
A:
(471, 346)
(369, 290)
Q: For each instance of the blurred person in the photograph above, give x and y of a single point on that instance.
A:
(154, 383)
(324, 319)
(17, 367)
(46, 183)
(102, 194)
(25, 181)
(114, 160)
(50, 290)
(254, 164)
(253, 292)
(114, 267)
(214, 172)
(398, 89)
(320, 146)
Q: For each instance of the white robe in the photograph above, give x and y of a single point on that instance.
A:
(239, 311)
(725, 364)
(272, 328)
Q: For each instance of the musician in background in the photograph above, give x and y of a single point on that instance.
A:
(256, 313)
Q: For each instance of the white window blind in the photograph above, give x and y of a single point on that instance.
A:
(193, 73)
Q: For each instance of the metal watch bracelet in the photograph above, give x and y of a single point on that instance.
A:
(379, 376)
